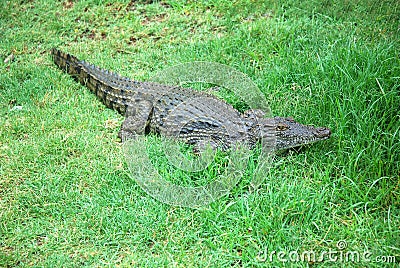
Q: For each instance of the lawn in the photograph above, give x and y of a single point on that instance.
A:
(67, 197)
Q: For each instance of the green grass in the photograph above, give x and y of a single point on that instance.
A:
(66, 197)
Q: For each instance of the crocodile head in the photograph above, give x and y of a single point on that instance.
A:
(290, 133)
(287, 133)
(284, 132)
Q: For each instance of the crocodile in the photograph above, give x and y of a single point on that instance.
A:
(195, 117)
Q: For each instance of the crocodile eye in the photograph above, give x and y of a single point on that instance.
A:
(281, 127)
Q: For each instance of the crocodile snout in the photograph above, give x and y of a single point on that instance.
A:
(323, 132)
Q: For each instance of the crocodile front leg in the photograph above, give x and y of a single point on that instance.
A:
(137, 118)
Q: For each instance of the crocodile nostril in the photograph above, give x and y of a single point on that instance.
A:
(323, 132)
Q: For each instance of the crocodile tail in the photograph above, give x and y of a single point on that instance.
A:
(70, 64)
(101, 82)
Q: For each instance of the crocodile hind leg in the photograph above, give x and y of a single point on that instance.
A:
(137, 118)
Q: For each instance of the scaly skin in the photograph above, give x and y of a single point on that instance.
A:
(194, 117)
